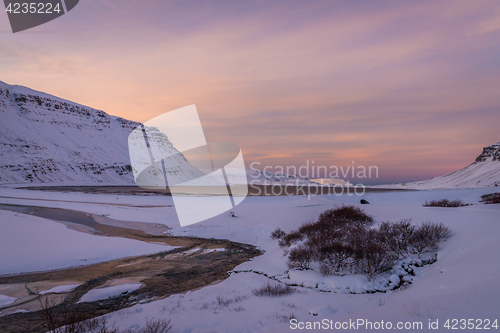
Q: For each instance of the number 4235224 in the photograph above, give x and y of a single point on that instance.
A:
(32, 8)
(471, 324)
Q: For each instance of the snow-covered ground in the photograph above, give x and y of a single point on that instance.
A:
(30, 244)
(109, 292)
(60, 289)
(6, 300)
(462, 284)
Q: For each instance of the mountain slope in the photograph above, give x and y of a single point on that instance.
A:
(258, 177)
(44, 138)
(484, 172)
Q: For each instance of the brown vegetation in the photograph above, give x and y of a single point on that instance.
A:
(273, 290)
(445, 203)
(342, 240)
(492, 198)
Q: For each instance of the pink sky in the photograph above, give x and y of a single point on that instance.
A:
(411, 87)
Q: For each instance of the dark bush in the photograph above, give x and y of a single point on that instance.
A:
(277, 233)
(157, 326)
(397, 236)
(350, 214)
(421, 241)
(300, 257)
(273, 290)
(343, 240)
(290, 239)
(69, 318)
(427, 236)
(373, 259)
(492, 198)
(445, 203)
(319, 229)
(439, 231)
(334, 220)
(336, 257)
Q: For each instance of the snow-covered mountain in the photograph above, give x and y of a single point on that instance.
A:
(259, 177)
(484, 172)
(263, 177)
(47, 139)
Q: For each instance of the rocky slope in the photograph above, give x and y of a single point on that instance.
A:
(490, 153)
(46, 139)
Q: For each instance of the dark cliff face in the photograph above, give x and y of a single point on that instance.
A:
(492, 152)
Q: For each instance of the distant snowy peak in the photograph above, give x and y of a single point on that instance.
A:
(491, 152)
(267, 178)
(484, 172)
(259, 177)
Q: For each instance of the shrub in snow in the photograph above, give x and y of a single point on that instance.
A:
(492, 198)
(290, 238)
(277, 233)
(397, 236)
(70, 318)
(156, 326)
(99, 325)
(335, 256)
(342, 240)
(224, 302)
(299, 257)
(350, 214)
(427, 236)
(373, 259)
(445, 203)
(284, 318)
(273, 290)
(332, 220)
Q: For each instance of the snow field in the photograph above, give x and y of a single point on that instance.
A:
(463, 283)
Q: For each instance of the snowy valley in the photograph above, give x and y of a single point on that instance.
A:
(142, 251)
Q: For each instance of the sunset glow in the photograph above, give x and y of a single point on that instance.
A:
(411, 87)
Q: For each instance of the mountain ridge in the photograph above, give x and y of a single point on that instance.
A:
(50, 140)
(47, 139)
(483, 172)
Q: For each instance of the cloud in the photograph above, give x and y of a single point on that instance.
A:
(387, 82)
